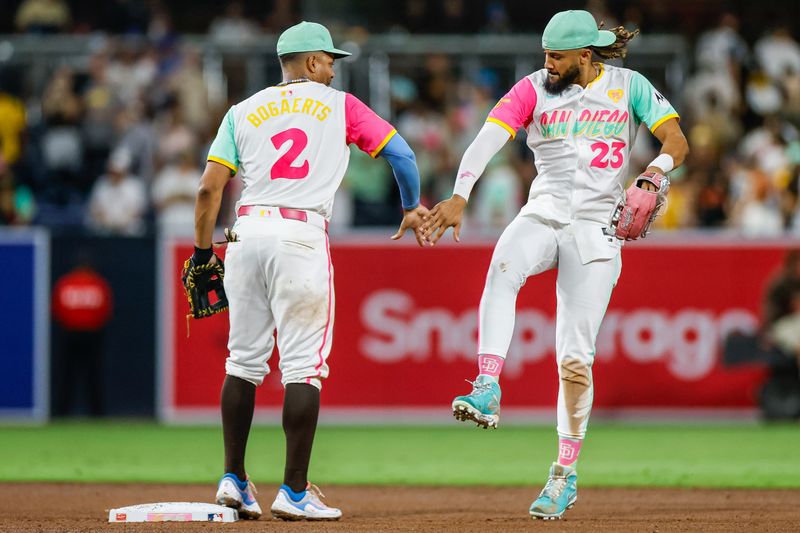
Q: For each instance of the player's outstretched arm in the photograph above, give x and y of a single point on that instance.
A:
(404, 166)
(448, 214)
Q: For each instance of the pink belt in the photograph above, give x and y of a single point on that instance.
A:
(310, 217)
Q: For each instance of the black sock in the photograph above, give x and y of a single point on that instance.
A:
(300, 412)
(238, 402)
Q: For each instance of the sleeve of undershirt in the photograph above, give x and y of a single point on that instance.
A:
(487, 143)
(515, 110)
(404, 166)
(365, 128)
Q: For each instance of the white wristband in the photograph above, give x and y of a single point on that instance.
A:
(664, 162)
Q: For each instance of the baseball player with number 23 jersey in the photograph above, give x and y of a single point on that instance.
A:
(581, 119)
(289, 143)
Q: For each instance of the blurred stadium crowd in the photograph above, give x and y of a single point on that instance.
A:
(117, 144)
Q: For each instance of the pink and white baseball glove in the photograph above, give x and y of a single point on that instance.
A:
(639, 208)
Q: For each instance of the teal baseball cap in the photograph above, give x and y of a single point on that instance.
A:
(308, 37)
(568, 30)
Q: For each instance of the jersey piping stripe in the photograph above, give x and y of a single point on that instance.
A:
(221, 161)
(330, 294)
(663, 120)
(503, 125)
(377, 150)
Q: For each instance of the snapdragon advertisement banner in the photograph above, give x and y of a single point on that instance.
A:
(406, 327)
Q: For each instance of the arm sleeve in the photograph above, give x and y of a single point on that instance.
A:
(515, 109)
(649, 105)
(487, 143)
(223, 149)
(365, 128)
(404, 165)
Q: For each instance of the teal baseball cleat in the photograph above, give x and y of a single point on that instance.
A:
(558, 495)
(482, 405)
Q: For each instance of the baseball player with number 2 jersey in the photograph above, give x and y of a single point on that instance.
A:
(581, 118)
(289, 143)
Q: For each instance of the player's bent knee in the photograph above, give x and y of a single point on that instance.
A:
(502, 277)
(575, 371)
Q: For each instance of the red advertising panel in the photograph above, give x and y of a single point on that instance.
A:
(406, 331)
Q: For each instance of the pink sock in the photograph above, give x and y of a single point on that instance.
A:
(490, 365)
(568, 450)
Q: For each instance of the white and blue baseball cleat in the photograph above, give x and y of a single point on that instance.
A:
(237, 494)
(305, 505)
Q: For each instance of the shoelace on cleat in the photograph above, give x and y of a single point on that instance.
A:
(479, 387)
(252, 486)
(316, 495)
(554, 487)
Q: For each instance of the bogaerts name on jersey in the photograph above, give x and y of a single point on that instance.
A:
(306, 106)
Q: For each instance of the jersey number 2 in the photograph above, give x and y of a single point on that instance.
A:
(283, 169)
(600, 151)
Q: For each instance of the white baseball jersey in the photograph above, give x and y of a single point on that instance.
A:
(581, 139)
(289, 143)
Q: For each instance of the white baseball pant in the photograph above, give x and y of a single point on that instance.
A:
(589, 264)
(279, 276)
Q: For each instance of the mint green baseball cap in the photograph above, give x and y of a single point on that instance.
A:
(569, 30)
(308, 37)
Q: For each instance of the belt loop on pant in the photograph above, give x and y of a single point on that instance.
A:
(310, 217)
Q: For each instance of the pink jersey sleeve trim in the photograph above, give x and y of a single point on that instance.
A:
(364, 127)
(515, 109)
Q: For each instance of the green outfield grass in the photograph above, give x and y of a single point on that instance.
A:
(613, 455)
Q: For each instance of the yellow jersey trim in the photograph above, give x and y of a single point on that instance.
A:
(221, 161)
(502, 125)
(663, 120)
(377, 150)
(602, 68)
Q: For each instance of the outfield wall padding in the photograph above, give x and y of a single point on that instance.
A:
(406, 333)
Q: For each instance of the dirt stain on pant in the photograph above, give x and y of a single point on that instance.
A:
(576, 386)
(309, 309)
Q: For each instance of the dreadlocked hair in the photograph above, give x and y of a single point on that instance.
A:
(619, 48)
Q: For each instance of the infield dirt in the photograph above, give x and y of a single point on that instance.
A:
(61, 507)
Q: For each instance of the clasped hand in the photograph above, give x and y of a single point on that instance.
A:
(430, 225)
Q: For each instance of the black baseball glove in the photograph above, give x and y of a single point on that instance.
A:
(199, 281)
